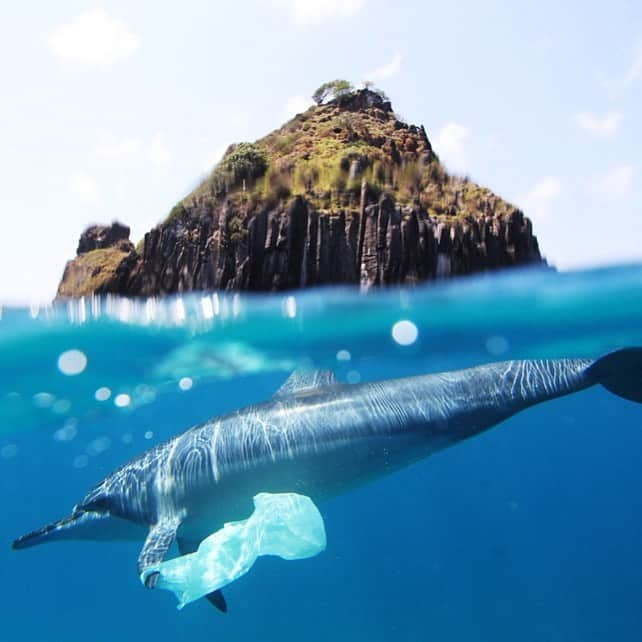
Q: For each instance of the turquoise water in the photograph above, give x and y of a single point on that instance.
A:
(529, 532)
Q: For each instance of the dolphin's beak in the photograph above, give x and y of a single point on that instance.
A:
(59, 529)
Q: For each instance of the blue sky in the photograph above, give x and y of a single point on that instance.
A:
(116, 110)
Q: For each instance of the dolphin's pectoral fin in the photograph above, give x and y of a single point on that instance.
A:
(156, 545)
(302, 381)
(152, 580)
(215, 598)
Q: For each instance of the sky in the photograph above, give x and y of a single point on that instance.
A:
(114, 111)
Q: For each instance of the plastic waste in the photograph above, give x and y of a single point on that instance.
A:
(286, 524)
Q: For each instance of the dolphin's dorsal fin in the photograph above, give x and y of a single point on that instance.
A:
(302, 381)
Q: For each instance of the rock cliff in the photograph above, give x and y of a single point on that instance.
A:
(345, 193)
(104, 261)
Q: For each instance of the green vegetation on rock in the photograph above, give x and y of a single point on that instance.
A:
(177, 212)
(346, 192)
(244, 163)
(351, 139)
(336, 89)
(89, 272)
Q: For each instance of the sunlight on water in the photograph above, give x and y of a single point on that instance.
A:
(514, 535)
(120, 354)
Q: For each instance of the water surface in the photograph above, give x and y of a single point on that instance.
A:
(530, 532)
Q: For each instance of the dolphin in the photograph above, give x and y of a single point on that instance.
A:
(319, 438)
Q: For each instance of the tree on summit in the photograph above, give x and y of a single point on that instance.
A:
(335, 89)
(341, 89)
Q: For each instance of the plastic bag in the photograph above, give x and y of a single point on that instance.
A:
(287, 525)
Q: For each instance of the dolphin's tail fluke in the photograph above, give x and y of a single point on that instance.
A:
(620, 373)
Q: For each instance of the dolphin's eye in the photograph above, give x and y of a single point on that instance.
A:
(99, 505)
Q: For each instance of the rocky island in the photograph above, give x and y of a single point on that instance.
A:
(344, 193)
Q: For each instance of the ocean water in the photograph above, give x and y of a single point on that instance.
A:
(530, 532)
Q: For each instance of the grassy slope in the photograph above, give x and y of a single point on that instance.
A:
(88, 272)
(326, 153)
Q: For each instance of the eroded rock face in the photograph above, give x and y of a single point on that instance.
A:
(104, 263)
(410, 221)
(295, 246)
(366, 99)
(98, 237)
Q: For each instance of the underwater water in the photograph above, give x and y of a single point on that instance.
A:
(530, 532)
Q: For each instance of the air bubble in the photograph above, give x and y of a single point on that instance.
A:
(405, 332)
(43, 400)
(122, 400)
(102, 394)
(354, 376)
(81, 461)
(98, 446)
(72, 362)
(67, 433)
(496, 345)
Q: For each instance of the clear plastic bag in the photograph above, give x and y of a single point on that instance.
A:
(287, 525)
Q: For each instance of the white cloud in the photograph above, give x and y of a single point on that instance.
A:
(602, 127)
(615, 84)
(109, 147)
(305, 12)
(386, 71)
(93, 39)
(296, 105)
(537, 202)
(84, 188)
(616, 183)
(450, 145)
(157, 152)
(635, 69)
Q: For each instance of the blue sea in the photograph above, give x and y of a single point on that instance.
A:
(530, 532)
